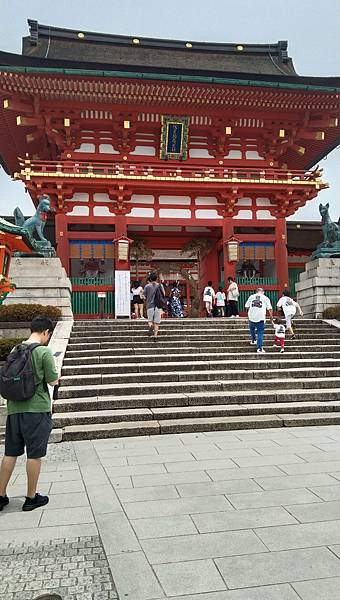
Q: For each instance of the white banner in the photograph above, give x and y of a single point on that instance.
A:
(122, 294)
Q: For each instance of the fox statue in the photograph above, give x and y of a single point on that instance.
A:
(36, 223)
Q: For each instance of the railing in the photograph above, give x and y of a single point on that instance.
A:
(256, 281)
(92, 281)
(88, 303)
(111, 170)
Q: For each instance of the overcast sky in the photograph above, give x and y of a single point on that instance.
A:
(311, 28)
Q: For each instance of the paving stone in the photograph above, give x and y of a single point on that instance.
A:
(259, 461)
(306, 535)
(19, 536)
(323, 511)
(161, 492)
(199, 465)
(189, 577)
(170, 457)
(278, 567)
(295, 481)
(336, 550)
(66, 516)
(21, 520)
(244, 473)
(103, 499)
(327, 492)
(117, 534)
(169, 478)
(272, 498)
(134, 578)
(323, 589)
(163, 527)
(321, 456)
(67, 487)
(242, 519)
(135, 470)
(207, 545)
(177, 506)
(317, 467)
(217, 487)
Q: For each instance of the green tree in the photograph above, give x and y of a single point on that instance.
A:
(140, 251)
(197, 248)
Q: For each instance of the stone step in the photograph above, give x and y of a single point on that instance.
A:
(180, 323)
(226, 328)
(158, 358)
(199, 336)
(172, 350)
(234, 373)
(61, 420)
(183, 387)
(227, 397)
(153, 427)
(252, 362)
(163, 345)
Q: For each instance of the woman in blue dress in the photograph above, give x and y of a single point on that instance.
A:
(175, 304)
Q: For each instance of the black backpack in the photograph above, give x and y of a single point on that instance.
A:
(160, 301)
(17, 380)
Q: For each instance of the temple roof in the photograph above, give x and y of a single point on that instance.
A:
(56, 43)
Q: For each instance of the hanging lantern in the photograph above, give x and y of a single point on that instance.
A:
(233, 249)
(122, 248)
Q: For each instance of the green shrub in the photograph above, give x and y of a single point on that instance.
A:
(6, 345)
(333, 312)
(20, 313)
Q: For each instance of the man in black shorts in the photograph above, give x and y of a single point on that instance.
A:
(29, 422)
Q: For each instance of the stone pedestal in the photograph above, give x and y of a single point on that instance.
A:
(319, 286)
(41, 281)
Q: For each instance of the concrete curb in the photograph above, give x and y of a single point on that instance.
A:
(332, 322)
(58, 344)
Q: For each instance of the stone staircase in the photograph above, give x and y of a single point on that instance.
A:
(202, 375)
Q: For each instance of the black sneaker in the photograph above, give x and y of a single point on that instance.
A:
(36, 502)
(150, 331)
(155, 338)
(4, 500)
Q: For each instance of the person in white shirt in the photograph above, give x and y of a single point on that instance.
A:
(280, 334)
(289, 307)
(220, 301)
(232, 298)
(138, 299)
(258, 304)
(209, 298)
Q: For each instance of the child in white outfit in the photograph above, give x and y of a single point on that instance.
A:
(280, 334)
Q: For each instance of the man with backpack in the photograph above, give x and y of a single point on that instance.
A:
(23, 383)
(155, 303)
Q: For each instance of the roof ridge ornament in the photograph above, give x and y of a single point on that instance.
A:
(34, 31)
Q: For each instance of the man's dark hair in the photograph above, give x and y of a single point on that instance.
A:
(153, 276)
(40, 324)
(210, 283)
(136, 284)
(286, 293)
(231, 279)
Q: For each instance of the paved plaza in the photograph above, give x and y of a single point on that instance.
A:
(237, 515)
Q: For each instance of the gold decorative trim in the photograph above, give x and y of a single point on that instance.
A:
(57, 174)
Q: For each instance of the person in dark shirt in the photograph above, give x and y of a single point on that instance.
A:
(154, 313)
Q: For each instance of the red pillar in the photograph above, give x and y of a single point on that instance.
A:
(61, 238)
(281, 254)
(227, 232)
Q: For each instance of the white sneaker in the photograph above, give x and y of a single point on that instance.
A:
(260, 350)
(237, 317)
(282, 350)
(253, 343)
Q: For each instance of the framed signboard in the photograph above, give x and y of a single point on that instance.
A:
(174, 138)
(122, 294)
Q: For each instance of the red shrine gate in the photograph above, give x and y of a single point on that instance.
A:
(168, 152)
